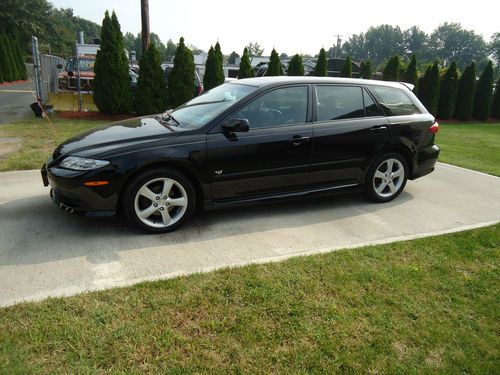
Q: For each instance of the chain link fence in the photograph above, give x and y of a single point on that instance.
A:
(50, 72)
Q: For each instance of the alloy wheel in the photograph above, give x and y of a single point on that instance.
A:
(388, 178)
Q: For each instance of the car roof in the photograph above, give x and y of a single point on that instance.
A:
(267, 81)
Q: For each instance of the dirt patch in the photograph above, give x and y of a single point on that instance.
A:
(8, 146)
(5, 84)
(92, 116)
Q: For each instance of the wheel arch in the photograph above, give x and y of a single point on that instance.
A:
(401, 150)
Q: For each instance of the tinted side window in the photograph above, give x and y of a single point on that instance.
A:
(339, 102)
(286, 106)
(371, 108)
(394, 102)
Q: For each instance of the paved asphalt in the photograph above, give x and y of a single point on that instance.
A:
(15, 105)
(45, 251)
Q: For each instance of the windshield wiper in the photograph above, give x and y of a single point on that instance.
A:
(168, 116)
(211, 102)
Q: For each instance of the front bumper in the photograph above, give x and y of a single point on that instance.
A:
(69, 192)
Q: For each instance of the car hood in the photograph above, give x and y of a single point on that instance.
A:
(113, 136)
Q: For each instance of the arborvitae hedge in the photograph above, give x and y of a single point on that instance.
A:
(210, 79)
(274, 68)
(245, 70)
(448, 92)
(181, 79)
(296, 66)
(495, 106)
(151, 94)
(391, 70)
(411, 75)
(321, 68)
(430, 89)
(366, 70)
(484, 94)
(219, 67)
(112, 91)
(346, 70)
(465, 93)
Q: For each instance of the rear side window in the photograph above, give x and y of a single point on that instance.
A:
(394, 102)
(339, 102)
(371, 108)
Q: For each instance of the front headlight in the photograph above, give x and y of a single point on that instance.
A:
(77, 163)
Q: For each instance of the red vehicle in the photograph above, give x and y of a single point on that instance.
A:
(67, 80)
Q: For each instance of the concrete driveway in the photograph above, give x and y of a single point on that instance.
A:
(15, 101)
(47, 252)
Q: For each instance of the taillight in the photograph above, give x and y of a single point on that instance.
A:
(434, 128)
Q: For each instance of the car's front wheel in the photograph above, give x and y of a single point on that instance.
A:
(386, 178)
(159, 200)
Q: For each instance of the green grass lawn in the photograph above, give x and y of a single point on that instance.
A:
(38, 140)
(473, 146)
(425, 306)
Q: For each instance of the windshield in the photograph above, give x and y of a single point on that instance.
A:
(86, 65)
(204, 108)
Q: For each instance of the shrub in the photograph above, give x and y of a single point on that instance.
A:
(219, 66)
(391, 70)
(465, 93)
(411, 75)
(484, 93)
(346, 70)
(181, 78)
(448, 92)
(320, 70)
(210, 79)
(495, 107)
(430, 89)
(366, 70)
(274, 67)
(245, 70)
(151, 94)
(296, 66)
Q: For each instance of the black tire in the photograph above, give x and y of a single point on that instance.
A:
(156, 180)
(375, 189)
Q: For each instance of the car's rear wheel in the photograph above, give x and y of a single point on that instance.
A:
(386, 178)
(159, 200)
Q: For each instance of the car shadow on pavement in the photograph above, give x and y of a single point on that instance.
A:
(33, 230)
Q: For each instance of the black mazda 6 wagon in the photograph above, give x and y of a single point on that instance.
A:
(251, 140)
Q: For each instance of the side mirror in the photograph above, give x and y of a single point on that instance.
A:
(70, 74)
(236, 125)
(59, 66)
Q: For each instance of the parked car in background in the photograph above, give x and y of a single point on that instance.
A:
(198, 82)
(67, 80)
(251, 140)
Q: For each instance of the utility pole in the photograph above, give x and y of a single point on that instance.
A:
(145, 25)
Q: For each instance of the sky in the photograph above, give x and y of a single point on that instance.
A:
(289, 26)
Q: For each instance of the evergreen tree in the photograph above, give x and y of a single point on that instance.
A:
(245, 70)
(274, 67)
(430, 89)
(210, 79)
(448, 92)
(347, 68)
(420, 88)
(465, 93)
(219, 65)
(391, 70)
(484, 93)
(11, 60)
(112, 91)
(495, 107)
(296, 66)
(21, 66)
(151, 94)
(321, 68)
(366, 70)
(411, 75)
(4, 61)
(181, 78)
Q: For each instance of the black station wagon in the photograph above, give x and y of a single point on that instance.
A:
(251, 140)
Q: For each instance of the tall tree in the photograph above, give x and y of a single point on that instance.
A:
(151, 94)
(484, 94)
(254, 49)
(245, 70)
(411, 75)
(220, 62)
(232, 58)
(465, 93)
(448, 92)
(210, 79)
(383, 41)
(296, 66)
(6, 67)
(170, 50)
(320, 70)
(274, 67)
(112, 91)
(414, 40)
(430, 89)
(366, 70)
(391, 70)
(495, 107)
(181, 79)
(347, 68)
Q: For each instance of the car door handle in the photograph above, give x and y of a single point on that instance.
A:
(298, 140)
(379, 128)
